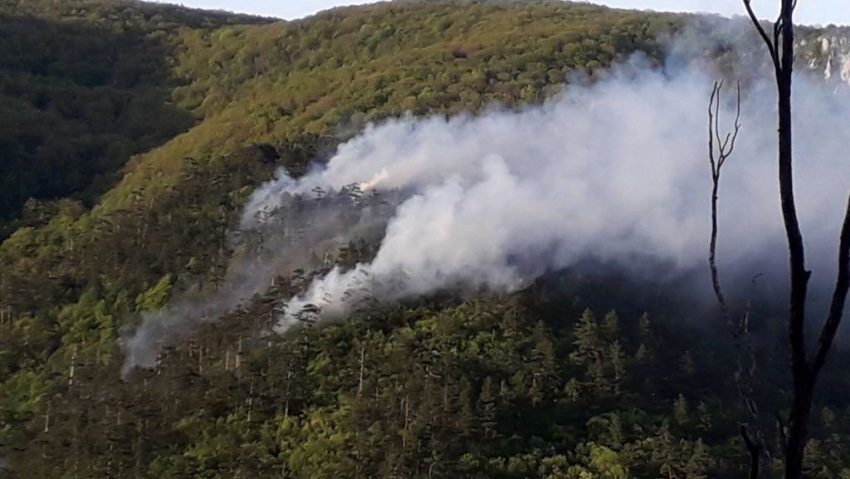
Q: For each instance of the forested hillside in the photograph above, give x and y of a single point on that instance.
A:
(88, 85)
(131, 136)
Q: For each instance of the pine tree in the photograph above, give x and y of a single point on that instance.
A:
(616, 361)
(704, 416)
(645, 350)
(698, 463)
(487, 409)
(611, 326)
(586, 340)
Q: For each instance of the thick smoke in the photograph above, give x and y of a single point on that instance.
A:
(615, 172)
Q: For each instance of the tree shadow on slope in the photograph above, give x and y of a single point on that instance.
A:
(76, 102)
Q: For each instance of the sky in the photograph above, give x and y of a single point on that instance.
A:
(811, 12)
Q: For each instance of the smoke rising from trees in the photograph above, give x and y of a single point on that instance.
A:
(614, 171)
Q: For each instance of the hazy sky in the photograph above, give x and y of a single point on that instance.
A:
(809, 11)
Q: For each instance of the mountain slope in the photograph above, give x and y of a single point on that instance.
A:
(192, 110)
(296, 106)
(84, 86)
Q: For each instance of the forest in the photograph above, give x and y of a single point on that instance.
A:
(132, 136)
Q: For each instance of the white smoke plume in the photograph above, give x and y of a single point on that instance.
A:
(300, 233)
(614, 171)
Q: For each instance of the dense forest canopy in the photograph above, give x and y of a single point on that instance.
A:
(88, 85)
(133, 133)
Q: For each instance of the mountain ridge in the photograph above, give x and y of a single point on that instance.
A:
(253, 95)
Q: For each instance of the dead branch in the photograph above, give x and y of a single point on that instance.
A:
(720, 149)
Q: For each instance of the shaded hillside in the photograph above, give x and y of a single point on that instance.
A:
(78, 102)
(179, 114)
(83, 87)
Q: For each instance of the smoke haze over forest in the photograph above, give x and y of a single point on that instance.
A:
(613, 171)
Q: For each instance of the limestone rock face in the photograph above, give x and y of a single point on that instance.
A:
(827, 53)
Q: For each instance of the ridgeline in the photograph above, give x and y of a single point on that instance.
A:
(131, 136)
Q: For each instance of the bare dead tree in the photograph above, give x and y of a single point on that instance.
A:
(804, 373)
(720, 149)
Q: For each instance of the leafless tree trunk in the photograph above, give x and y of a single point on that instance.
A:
(720, 149)
(804, 373)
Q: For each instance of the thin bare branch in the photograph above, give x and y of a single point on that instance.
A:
(720, 148)
(719, 151)
(771, 45)
(715, 158)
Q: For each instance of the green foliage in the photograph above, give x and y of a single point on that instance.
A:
(156, 297)
(85, 85)
(134, 134)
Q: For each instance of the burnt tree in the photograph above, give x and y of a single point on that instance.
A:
(804, 371)
(720, 149)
